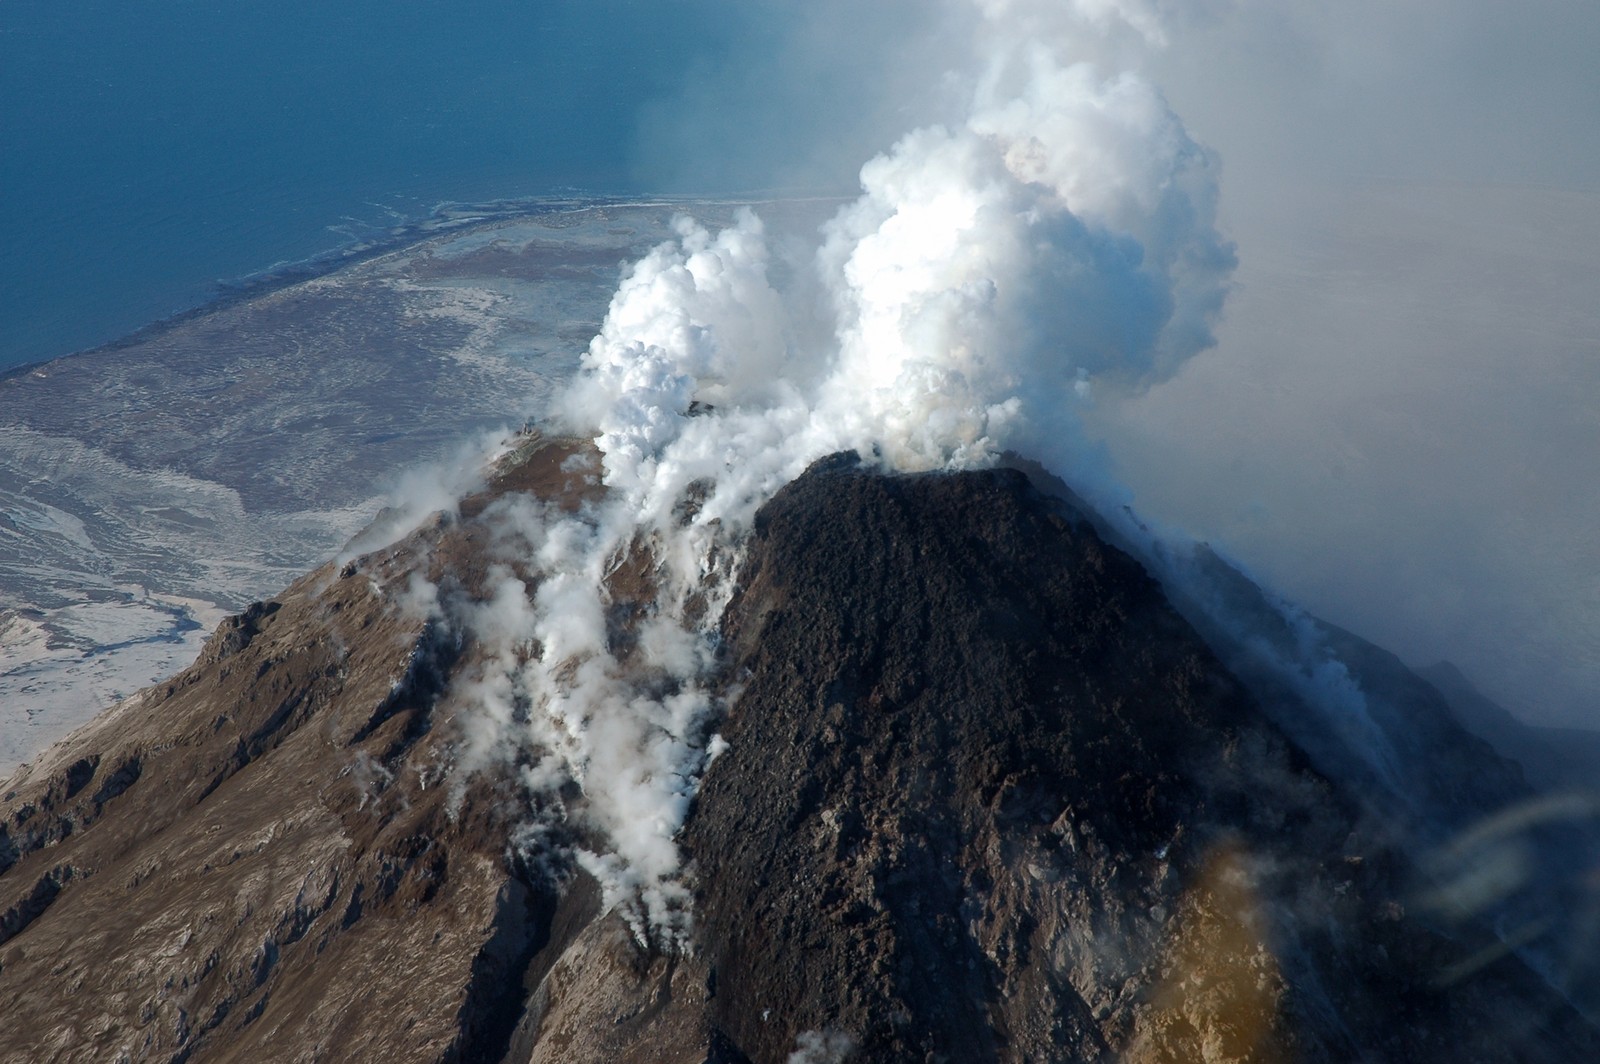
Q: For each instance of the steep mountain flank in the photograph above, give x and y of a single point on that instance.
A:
(985, 797)
(261, 859)
(989, 798)
(1554, 758)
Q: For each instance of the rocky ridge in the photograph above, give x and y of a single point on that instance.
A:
(987, 796)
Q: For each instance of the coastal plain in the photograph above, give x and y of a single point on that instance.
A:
(152, 486)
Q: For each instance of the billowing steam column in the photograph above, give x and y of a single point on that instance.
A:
(990, 276)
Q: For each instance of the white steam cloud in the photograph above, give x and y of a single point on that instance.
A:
(822, 1047)
(992, 275)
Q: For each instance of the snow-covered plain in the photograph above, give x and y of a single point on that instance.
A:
(151, 487)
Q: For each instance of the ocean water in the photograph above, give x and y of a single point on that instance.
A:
(150, 149)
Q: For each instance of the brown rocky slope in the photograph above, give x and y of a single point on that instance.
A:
(987, 798)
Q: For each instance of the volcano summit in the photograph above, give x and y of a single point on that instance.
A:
(979, 793)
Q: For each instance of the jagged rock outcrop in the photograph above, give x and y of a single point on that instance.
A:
(987, 797)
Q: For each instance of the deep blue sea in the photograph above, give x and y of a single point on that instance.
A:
(150, 149)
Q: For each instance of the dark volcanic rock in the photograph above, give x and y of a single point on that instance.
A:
(987, 798)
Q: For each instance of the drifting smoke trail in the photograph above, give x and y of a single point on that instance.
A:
(991, 275)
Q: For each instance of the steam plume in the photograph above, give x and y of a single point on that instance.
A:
(992, 275)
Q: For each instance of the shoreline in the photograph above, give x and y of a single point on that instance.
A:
(446, 217)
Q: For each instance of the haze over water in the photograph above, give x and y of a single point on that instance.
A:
(152, 148)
